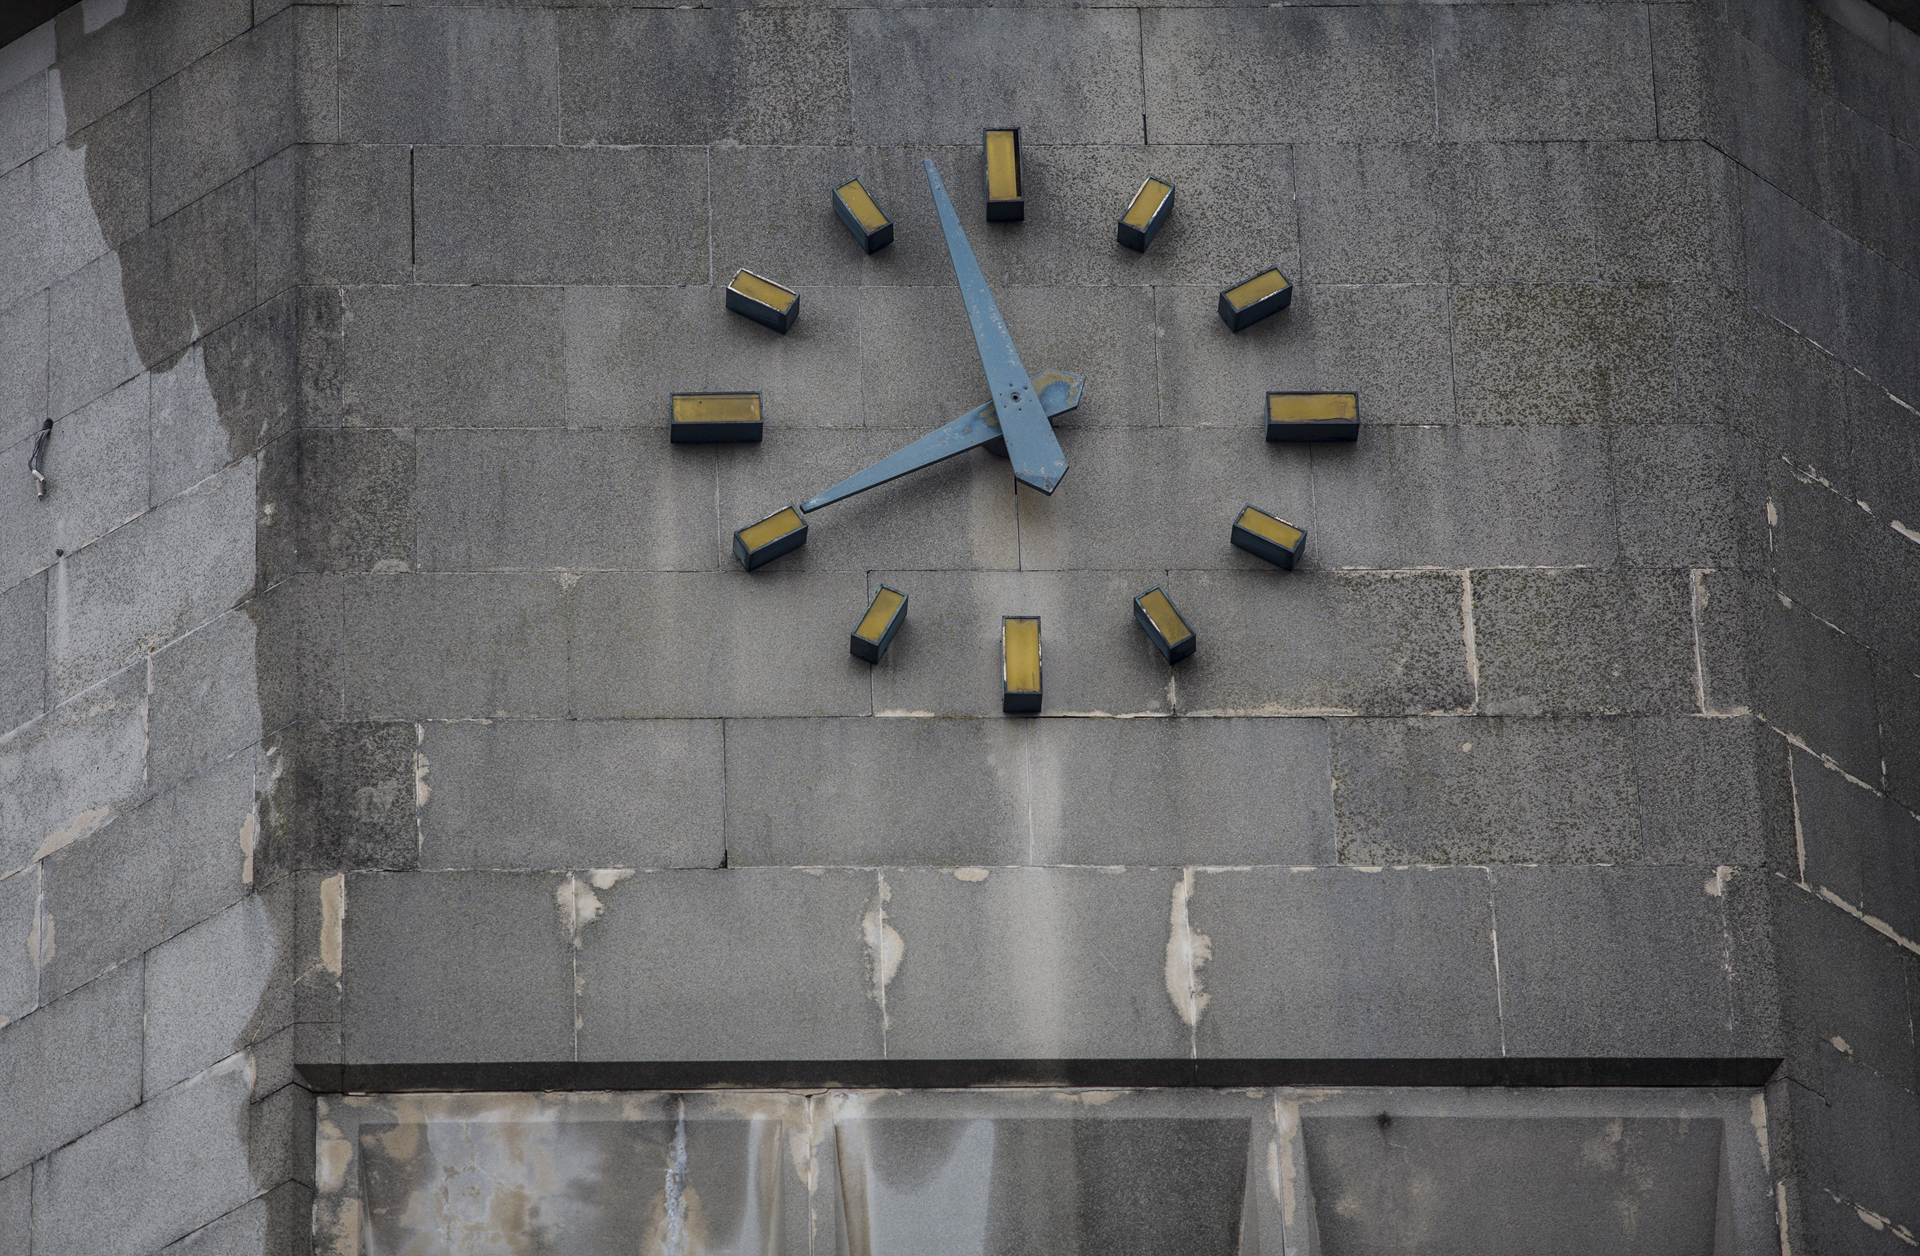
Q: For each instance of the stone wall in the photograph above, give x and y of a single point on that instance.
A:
(391, 714)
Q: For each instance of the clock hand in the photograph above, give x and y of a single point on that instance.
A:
(1058, 393)
(1037, 457)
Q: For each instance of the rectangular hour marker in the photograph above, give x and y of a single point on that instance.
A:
(779, 533)
(885, 614)
(1251, 300)
(714, 418)
(1165, 626)
(1313, 416)
(1152, 206)
(1020, 665)
(1000, 161)
(763, 301)
(1269, 537)
(861, 215)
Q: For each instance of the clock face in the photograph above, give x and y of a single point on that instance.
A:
(963, 462)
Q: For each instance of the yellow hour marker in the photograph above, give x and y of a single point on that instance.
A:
(861, 215)
(1165, 626)
(1313, 416)
(1020, 665)
(763, 301)
(1152, 206)
(1269, 537)
(1000, 161)
(885, 614)
(779, 533)
(1251, 300)
(713, 418)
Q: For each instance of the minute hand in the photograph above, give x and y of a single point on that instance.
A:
(1031, 445)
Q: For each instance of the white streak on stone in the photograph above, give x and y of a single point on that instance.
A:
(333, 919)
(1187, 951)
(86, 823)
(885, 947)
(970, 874)
(1905, 531)
(1757, 1117)
(607, 878)
(1467, 637)
(249, 836)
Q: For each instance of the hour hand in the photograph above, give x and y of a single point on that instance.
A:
(1058, 393)
(1037, 457)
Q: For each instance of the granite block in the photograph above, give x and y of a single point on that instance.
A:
(279, 1223)
(551, 215)
(1319, 963)
(210, 991)
(202, 540)
(343, 796)
(1564, 354)
(1712, 792)
(444, 646)
(1859, 1136)
(1210, 791)
(159, 1197)
(20, 963)
(1320, 74)
(420, 356)
(23, 246)
(1165, 497)
(96, 468)
(662, 974)
(1822, 544)
(104, 64)
(1683, 498)
(192, 271)
(457, 966)
(1372, 213)
(16, 1208)
(1815, 683)
(1391, 343)
(1030, 963)
(70, 771)
(562, 793)
(629, 349)
(23, 368)
(155, 871)
(1486, 789)
(1560, 72)
(23, 121)
(297, 645)
(186, 440)
(91, 347)
(23, 651)
(1833, 974)
(562, 500)
(1897, 704)
(202, 699)
(1585, 641)
(947, 660)
(79, 1060)
(337, 213)
(857, 792)
(959, 513)
(1858, 845)
(932, 76)
(358, 500)
(1883, 438)
(1665, 212)
(106, 200)
(772, 644)
(449, 76)
(1313, 642)
(918, 367)
(692, 76)
(1518, 212)
(1612, 961)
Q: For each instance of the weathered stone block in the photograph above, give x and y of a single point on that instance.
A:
(202, 702)
(1859, 1136)
(23, 121)
(690, 76)
(1208, 791)
(96, 469)
(344, 797)
(464, 966)
(1563, 353)
(1591, 642)
(771, 644)
(1711, 792)
(549, 215)
(20, 963)
(1319, 963)
(947, 660)
(1682, 498)
(1612, 961)
(91, 349)
(629, 349)
(562, 500)
(662, 974)
(357, 506)
(210, 991)
(196, 556)
(335, 213)
(16, 1206)
(23, 368)
(1832, 973)
(1390, 343)
(67, 773)
(1665, 212)
(159, 869)
(432, 646)
(105, 65)
(1862, 847)
(279, 1223)
(1883, 445)
(449, 76)
(113, 203)
(74, 1064)
(452, 357)
(297, 648)
(280, 1137)
(1823, 543)
(1814, 682)
(192, 271)
(1324, 642)
(161, 1195)
(1321, 75)
(941, 76)
(1029, 963)
(1565, 72)
(1519, 212)
(854, 791)
(572, 793)
(1897, 704)
(1371, 213)
(1483, 790)
(23, 651)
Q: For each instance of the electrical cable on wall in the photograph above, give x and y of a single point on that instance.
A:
(37, 460)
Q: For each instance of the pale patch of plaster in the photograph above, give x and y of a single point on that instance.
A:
(90, 821)
(970, 874)
(1757, 1117)
(332, 1154)
(1187, 951)
(389, 566)
(1717, 883)
(607, 878)
(333, 919)
(885, 947)
(1905, 531)
(249, 838)
(421, 790)
(1467, 637)
(1282, 1173)
(1840, 1044)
